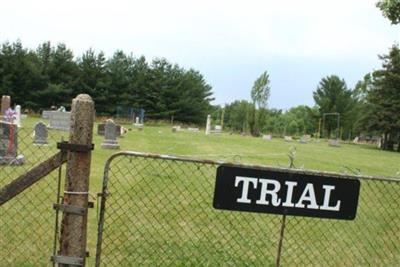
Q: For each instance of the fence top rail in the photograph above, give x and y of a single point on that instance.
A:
(255, 166)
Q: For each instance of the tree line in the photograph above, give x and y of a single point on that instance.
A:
(52, 75)
(370, 109)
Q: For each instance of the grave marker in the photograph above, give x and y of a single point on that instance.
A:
(41, 134)
(110, 136)
(9, 145)
(334, 142)
(102, 127)
(288, 138)
(60, 120)
(18, 116)
(267, 137)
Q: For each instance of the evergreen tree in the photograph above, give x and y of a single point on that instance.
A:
(333, 96)
(383, 100)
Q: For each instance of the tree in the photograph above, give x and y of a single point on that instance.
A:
(51, 75)
(261, 90)
(390, 10)
(383, 100)
(237, 114)
(93, 78)
(332, 96)
(259, 95)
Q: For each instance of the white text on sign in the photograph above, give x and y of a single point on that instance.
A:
(270, 189)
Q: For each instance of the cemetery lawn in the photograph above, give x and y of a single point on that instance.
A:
(226, 147)
(316, 155)
(159, 139)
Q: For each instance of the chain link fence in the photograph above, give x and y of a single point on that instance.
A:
(157, 211)
(27, 220)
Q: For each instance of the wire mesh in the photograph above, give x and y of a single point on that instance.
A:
(27, 220)
(158, 212)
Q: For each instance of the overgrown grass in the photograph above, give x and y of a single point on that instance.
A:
(17, 215)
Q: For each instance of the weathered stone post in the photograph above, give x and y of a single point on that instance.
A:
(75, 204)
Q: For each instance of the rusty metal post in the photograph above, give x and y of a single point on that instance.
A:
(74, 225)
(291, 155)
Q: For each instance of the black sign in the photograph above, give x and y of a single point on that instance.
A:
(290, 193)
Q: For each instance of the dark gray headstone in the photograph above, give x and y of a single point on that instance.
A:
(110, 136)
(41, 134)
(102, 127)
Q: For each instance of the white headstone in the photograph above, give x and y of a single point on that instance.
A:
(60, 120)
(137, 120)
(18, 115)
(46, 114)
(267, 137)
(288, 138)
(193, 129)
(208, 125)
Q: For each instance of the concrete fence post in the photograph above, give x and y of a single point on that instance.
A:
(75, 200)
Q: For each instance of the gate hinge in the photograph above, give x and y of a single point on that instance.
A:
(65, 146)
(67, 260)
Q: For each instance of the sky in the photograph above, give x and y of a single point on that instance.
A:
(230, 42)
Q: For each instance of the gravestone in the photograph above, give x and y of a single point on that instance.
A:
(137, 124)
(334, 142)
(102, 127)
(18, 116)
(305, 139)
(193, 129)
(60, 120)
(288, 138)
(9, 145)
(176, 128)
(5, 104)
(46, 114)
(208, 125)
(110, 136)
(41, 134)
(267, 137)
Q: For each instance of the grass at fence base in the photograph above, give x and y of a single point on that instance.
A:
(315, 155)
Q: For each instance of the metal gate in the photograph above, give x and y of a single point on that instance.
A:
(157, 210)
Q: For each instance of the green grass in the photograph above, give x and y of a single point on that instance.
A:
(185, 230)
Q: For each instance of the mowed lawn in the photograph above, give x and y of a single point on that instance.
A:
(173, 230)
